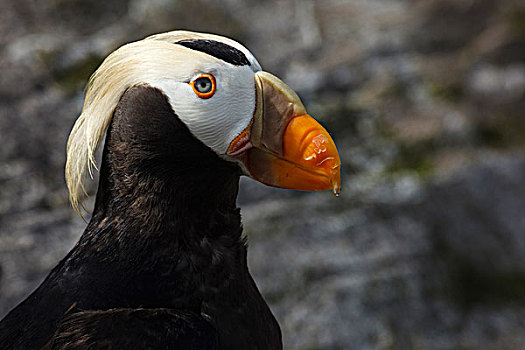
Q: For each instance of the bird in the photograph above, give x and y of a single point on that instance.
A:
(162, 263)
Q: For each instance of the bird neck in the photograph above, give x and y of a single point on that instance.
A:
(156, 174)
(165, 231)
(175, 207)
(156, 200)
(165, 222)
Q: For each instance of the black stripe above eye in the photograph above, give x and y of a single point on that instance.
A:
(217, 49)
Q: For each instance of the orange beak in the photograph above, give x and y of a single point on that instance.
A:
(283, 146)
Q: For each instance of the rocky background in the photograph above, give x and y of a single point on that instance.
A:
(424, 249)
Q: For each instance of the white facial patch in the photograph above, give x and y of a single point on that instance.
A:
(217, 120)
(161, 63)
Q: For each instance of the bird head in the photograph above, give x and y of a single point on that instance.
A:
(216, 87)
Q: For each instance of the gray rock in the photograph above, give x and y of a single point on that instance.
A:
(425, 247)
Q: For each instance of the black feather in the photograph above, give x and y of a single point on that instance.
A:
(218, 50)
(165, 234)
(133, 329)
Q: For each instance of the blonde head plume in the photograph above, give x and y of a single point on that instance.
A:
(132, 64)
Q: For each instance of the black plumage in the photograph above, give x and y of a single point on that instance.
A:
(144, 328)
(162, 263)
(217, 49)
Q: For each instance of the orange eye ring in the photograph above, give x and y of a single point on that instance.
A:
(204, 85)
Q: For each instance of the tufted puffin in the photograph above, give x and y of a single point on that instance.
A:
(162, 262)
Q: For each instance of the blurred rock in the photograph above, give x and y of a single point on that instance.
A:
(449, 25)
(424, 249)
(414, 270)
(499, 84)
(478, 216)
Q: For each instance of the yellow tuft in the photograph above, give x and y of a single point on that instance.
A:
(133, 64)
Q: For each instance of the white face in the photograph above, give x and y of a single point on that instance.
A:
(218, 119)
(160, 62)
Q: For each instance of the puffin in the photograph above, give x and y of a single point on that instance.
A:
(162, 263)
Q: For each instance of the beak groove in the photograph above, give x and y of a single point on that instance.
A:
(241, 144)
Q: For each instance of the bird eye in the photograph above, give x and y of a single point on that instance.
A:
(204, 86)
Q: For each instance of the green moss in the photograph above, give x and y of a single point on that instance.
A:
(395, 90)
(414, 157)
(490, 136)
(501, 132)
(336, 114)
(517, 22)
(77, 76)
(316, 273)
(493, 287)
(195, 15)
(275, 297)
(470, 284)
(445, 91)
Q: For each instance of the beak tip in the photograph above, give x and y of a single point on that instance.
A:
(336, 189)
(336, 181)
